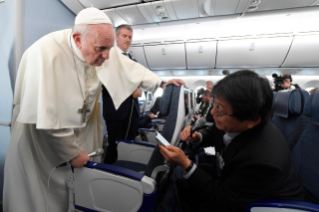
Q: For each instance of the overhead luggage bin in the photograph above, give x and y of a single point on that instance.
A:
(138, 53)
(201, 55)
(253, 53)
(304, 52)
(171, 56)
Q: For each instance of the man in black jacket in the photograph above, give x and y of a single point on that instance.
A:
(252, 160)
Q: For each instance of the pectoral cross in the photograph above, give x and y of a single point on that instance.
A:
(84, 110)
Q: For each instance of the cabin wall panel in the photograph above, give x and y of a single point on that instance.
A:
(41, 19)
(6, 78)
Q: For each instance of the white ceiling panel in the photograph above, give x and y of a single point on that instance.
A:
(225, 7)
(149, 8)
(170, 10)
(278, 4)
(132, 14)
(242, 6)
(116, 18)
(75, 6)
(161, 11)
(305, 3)
(109, 3)
(185, 9)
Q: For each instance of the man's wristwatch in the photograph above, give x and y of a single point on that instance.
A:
(189, 167)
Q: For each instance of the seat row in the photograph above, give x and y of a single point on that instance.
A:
(296, 115)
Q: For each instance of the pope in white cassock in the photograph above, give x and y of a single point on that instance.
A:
(56, 114)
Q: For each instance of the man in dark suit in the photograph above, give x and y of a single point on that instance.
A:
(252, 160)
(121, 123)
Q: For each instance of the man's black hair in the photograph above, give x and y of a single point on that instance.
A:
(249, 95)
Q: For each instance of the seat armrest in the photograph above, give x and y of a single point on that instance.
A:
(115, 170)
(284, 204)
(146, 129)
(142, 143)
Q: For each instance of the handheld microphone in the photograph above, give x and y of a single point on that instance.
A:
(198, 124)
(96, 152)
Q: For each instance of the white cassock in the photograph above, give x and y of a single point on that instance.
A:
(47, 128)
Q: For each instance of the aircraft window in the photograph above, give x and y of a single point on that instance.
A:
(199, 87)
(309, 89)
(159, 92)
(186, 102)
(142, 97)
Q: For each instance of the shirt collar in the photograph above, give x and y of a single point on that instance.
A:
(120, 50)
(228, 137)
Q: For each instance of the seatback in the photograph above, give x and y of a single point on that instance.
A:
(288, 117)
(305, 157)
(173, 107)
(273, 106)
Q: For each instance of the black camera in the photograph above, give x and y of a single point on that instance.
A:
(279, 80)
(199, 95)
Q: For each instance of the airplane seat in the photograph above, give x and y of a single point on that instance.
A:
(173, 107)
(273, 106)
(130, 152)
(305, 161)
(104, 187)
(305, 153)
(288, 117)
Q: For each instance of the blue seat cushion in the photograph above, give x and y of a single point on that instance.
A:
(311, 108)
(288, 102)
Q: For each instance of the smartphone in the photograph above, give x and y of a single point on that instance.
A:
(162, 140)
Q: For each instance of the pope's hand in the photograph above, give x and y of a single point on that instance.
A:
(175, 155)
(186, 135)
(175, 82)
(137, 93)
(80, 160)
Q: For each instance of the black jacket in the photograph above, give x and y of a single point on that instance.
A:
(257, 167)
(109, 111)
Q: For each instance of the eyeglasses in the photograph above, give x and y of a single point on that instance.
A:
(219, 113)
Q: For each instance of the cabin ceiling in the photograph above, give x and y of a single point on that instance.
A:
(272, 36)
(138, 12)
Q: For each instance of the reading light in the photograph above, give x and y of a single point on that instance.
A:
(254, 2)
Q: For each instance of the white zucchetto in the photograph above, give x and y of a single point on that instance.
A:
(92, 16)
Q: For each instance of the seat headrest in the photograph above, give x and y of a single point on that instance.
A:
(288, 102)
(166, 100)
(312, 107)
